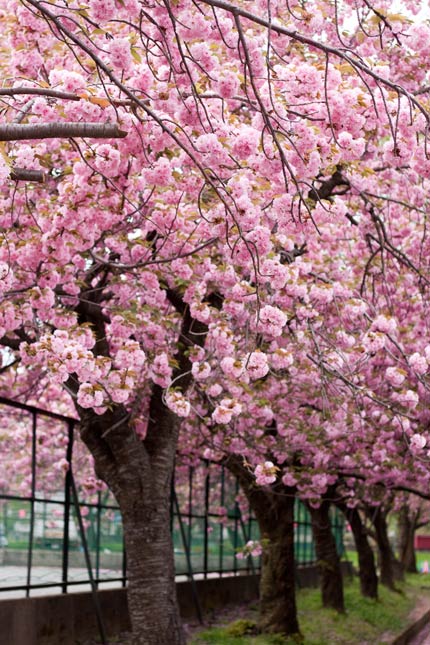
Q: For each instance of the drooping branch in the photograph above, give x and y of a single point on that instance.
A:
(388, 487)
(138, 102)
(348, 56)
(54, 130)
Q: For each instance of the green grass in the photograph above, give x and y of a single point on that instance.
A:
(422, 556)
(218, 635)
(365, 621)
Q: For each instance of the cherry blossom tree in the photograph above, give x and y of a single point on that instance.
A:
(176, 181)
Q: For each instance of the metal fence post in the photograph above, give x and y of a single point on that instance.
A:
(98, 529)
(66, 514)
(88, 560)
(188, 558)
(206, 523)
(33, 495)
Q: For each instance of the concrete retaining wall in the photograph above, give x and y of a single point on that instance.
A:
(67, 618)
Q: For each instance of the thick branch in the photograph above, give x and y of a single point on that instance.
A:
(327, 188)
(39, 91)
(26, 174)
(15, 132)
(12, 343)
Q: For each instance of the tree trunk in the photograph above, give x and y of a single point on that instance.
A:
(366, 558)
(139, 473)
(278, 611)
(151, 577)
(327, 557)
(407, 525)
(390, 568)
(274, 510)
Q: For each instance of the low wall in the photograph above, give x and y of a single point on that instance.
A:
(66, 618)
(52, 558)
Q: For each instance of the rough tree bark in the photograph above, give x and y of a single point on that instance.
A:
(407, 528)
(366, 558)
(327, 557)
(54, 130)
(274, 510)
(139, 475)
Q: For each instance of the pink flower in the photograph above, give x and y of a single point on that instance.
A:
(226, 410)
(160, 370)
(6, 277)
(120, 55)
(228, 85)
(418, 442)
(214, 390)
(271, 320)
(69, 81)
(232, 367)
(384, 324)
(200, 371)
(289, 480)
(252, 547)
(281, 359)
(319, 482)
(373, 341)
(176, 402)
(63, 465)
(89, 396)
(107, 160)
(394, 376)
(265, 473)
(256, 364)
(130, 355)
(409, 399)
(102, 10)
(418, 363)
(246, 142)
(4, 169)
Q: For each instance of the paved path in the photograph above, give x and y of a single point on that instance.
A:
(423, 638)
(422, 606)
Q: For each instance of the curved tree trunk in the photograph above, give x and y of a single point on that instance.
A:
(407, 525)
(366, 558)
(390, 568)
(274, 511)
(139, 473)
(327, 557)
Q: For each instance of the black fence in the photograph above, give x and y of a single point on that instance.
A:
(59, 530)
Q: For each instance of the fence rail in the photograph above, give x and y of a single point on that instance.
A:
(57, 533)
